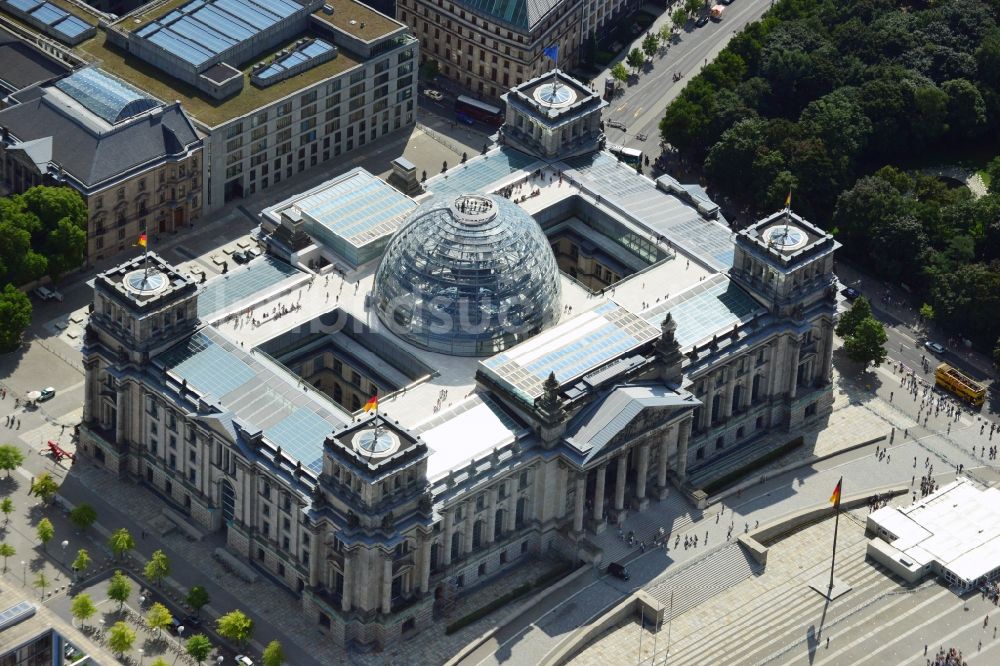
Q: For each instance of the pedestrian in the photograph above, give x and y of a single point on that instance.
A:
(827, 642)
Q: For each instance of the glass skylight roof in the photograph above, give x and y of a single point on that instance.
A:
(105, 96)
(301, 435)
(62, 23)
(207, 366)
(241, 283)
(19, 612)
(202, 29)
(481, 172)
(571, 349)
(280, 66)
(710, 308)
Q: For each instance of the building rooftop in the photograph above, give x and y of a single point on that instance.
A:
(358, 20)
(22, 64)
(522, 14)
(259, 278)
(958, 526)
(207, 111)
(65, 21)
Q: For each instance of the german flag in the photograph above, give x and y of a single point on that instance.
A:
(788, 200)
(142, 240)
(835, 497)
(372, 403)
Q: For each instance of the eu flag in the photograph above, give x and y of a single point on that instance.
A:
(552, 52)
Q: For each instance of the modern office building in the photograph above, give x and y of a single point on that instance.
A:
(32, 635)
(274, 88)
(504, 425)
(135, 160)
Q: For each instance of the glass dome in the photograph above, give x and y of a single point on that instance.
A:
(469, 276)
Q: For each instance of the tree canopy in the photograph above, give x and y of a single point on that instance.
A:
(44, 487)
(119, 588)
(82, 607)
(819, 96)
(121, 541)
(157, 568)
(236, 626)
(198, 647)
(83, 516)
(11, 458)
(121, 637)
(15, 315)
(42, 232)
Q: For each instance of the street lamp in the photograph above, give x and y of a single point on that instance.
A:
(180, 631)
(64, 544)
(140, 655)
(220, 659)
(142, 601)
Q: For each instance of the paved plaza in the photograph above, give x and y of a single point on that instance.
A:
(775, 618)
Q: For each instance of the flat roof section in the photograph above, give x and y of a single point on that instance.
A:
(258, 278)
(570, 350)
(708, 308)
(358, 20)
(350, 213)
(483, 173)
(958, 526)
(207, 111)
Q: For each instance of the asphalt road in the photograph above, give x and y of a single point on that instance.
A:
(640, 104)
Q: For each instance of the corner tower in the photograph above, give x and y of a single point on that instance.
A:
(553, 116)
(140, 308)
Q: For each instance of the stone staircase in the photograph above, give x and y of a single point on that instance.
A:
(703, 579)
(671, 513)
(736, 459)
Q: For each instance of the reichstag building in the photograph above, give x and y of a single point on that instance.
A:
(554, 339)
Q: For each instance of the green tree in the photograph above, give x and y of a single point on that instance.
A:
(993, 172)
(619, 73)
(160, 661)
(274, 655)
(7, 508)
(666, 32)
(6, 550)
(15, 315)
(651, 44)
(83, 516)
(198, 647)
(82, 607)
(635, 59)
(61, 230)
(860, 310)
(45, 531)
(867, 343)
(157, 568)
(966, 108)
(236, 626)
(41, 581)
(121, 542)
(927, 312)
(693, 5)
(44, 487)
(121, 638)
(82, 561)
(679, 18)
(119, 588)
(10, 458)
(197, 598)
(159, 617)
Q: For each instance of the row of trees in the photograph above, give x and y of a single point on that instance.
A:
(235, 625)
(818, 96)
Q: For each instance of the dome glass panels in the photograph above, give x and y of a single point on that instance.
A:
(468, 276)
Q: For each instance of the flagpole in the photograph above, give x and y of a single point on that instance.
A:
(836, 524)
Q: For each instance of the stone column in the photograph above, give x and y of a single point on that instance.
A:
(120, 414)
(387, 585)
(345, 600)
(794, 369)
(706, 410)
(491, 516)
(620, 480)
(599, 494)
(581, 498)
(89, 370)
(425, 566)
(470, 520)
(510, 513)
(827, 352)
(683, 435)
(661, 464)
(642, 471)
(727, 393)
(562, 482)
(449, 524)
(317, 562)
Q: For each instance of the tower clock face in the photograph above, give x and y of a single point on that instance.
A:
(784, 237)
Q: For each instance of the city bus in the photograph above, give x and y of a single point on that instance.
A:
(469, 110)
(629, 156)
(957, 382)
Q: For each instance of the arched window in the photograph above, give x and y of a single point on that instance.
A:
(716, 408)
(498, 523)
(477, 534)
(338, 393)
(755, 390)
(228, 501)
(737, 398)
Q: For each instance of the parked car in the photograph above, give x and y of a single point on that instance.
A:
(244, 660)
(44, 293)
(701, 20)
(617, 125)
(850, 293)
(935, 347)
(618, 570)
(46, 393)
(435, 95)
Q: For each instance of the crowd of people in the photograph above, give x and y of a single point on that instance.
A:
(877, 501)
(952, 657)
